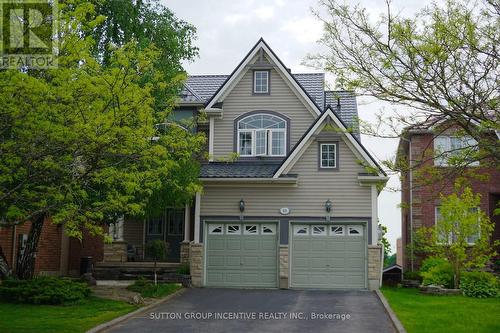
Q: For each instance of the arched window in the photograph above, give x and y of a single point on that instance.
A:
(262, 135)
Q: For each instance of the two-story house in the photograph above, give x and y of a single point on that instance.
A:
(426, 151)
(289, 192)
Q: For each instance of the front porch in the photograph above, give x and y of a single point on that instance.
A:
(131, 236)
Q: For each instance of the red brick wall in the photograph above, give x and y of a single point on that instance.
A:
(48, 258)
(426, 196)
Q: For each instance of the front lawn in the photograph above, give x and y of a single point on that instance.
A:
(80, 317)
(440, 314)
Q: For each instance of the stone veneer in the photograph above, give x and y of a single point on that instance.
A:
(115, 252)
(374, 266)
(283, 266)
(185, 253)
(196, 264)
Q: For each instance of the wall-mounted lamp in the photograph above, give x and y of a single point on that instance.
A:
(328, 206)
(242, 209)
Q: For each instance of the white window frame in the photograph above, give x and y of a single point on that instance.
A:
(255, 82)
(245, 232)
(323, 233)
(272, 227)
(442, 147)
(296, 228)
(451, 236)
(231, 232)
(212, 227)
(332, 233)
(268, 137)
(321, 155)
(359, 228)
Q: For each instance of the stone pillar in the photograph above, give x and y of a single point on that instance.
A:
(284, 266)
(374, 266)
(115, 252)
(185, 253)
(196, 264)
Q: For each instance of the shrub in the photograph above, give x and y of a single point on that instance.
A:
(148, 289)
(183, 269)
(440, 274)
(412, 275)
(43, 290)
(431, 262)
(479, 284)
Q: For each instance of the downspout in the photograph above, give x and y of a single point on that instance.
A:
(411, 205)
(382, 257)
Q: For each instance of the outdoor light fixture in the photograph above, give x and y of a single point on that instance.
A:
(242, 206)
(328, 206)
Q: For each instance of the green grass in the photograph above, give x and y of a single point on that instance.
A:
(148, 289)
(79, 317)
(441, 314)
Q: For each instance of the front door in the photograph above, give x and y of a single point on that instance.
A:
(174, 234)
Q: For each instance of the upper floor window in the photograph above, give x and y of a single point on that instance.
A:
(328, 156)
(450, 237)
(261, 82)
(262, 135)
(448, 147)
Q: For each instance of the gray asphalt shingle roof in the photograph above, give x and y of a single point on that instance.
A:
(202, 87)
(238, 170)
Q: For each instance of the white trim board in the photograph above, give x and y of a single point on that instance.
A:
(235, 77)
(306, 141)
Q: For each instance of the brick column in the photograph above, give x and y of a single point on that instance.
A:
(283, 266)
(196, 264)
(185, 253)
(374, 266)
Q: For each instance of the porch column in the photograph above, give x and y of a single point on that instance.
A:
(374, 215)
(187, 222)
(197, 217)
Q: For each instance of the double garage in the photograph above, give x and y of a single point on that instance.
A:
(320, 255)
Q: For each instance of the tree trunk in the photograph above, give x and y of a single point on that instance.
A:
(5, 270)
(25, 268)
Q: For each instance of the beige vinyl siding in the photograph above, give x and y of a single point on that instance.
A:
(307, 199)
(241, 100)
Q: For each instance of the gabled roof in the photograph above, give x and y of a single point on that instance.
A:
(301, 145)
(238, 170)
(235, 75)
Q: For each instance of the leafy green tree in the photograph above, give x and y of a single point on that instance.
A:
(157, 250)
(149, 23)
(76, 142)
(442, 62)
(462, 234)
(385, 241)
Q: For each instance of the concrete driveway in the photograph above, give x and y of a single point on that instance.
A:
(284, 311)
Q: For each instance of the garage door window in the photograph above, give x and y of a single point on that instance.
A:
(355, 230)
(250, 230)
(301, 230)
(233, 229)
(268, 229)
(214, 229)
(319, 230)
(337, 230)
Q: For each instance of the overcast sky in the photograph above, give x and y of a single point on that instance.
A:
(227, 29)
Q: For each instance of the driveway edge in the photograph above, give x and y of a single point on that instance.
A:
(395, 321)
(109, 324)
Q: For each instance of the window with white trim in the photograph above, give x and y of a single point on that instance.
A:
(301, 230)
(328, 155)
(261, 82)
(448, 147)
(233, 229)
(337, 230)
(250, 229)
(449, 238)
(262, 135)
(355, 230)
(319, 230)
(268, 229)
(215, 229)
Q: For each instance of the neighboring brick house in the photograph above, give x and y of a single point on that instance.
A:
(57, 253)
(421, 198)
